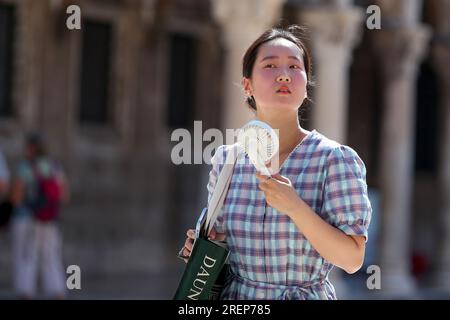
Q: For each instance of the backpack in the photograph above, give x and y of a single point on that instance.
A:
(48, 200)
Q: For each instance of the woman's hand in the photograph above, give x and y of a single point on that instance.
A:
(342, 250)
(185, 252)
(279, 192)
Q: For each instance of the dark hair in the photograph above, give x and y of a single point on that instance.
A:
(293, 33)
(37, 141)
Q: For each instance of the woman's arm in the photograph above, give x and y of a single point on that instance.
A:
(342, 250)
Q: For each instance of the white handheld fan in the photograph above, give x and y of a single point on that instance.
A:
(260, 143)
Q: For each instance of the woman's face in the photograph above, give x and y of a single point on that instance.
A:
(278, 78)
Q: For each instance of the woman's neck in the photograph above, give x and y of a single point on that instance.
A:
(289, 130)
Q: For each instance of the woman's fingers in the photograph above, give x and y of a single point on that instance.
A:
(185, 252)
(282, 178)
(188, 244)
(191, 233)
(214, 235)
(261, 177)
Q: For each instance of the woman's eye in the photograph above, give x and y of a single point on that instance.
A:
(269, 66)
(295, 67)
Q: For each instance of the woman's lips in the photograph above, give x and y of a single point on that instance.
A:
(283, 90)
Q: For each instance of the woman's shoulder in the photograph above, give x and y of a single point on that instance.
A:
(332, 150)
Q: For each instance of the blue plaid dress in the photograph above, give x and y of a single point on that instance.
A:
(269, 256)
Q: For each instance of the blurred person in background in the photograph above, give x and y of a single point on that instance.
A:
(39, 188)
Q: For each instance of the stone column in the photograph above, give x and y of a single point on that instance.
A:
(441, 59)
(334, 32)
(242, 22)
(130, 37)
(400, 12)
(31, 29)
(400, 51)
(55, 114)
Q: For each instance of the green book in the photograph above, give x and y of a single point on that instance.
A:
(207, 268)
(205, 271)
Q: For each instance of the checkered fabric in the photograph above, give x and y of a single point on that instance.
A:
(269, 256)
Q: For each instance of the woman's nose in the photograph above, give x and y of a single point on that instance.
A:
(284, 78)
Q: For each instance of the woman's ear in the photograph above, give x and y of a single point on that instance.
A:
(247, 86)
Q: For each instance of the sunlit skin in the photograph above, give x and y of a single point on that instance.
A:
(278, 85)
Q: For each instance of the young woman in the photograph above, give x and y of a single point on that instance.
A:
(287, 231)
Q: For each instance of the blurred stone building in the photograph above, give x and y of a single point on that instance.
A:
(109, 96)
